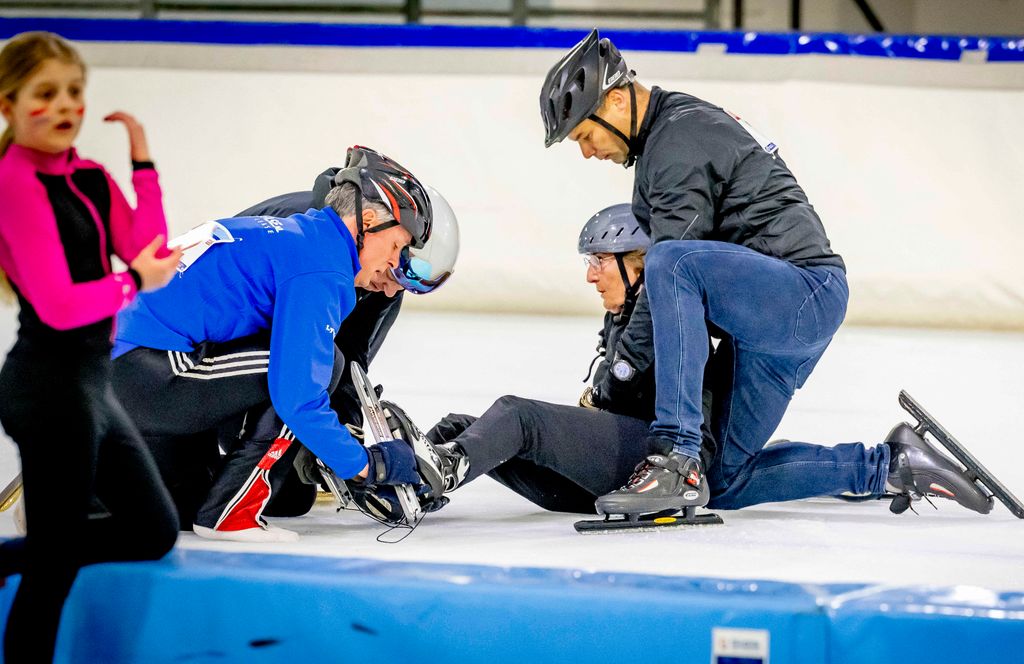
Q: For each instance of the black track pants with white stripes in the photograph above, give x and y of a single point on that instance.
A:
(189, 406)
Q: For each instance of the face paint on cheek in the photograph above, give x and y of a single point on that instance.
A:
(80, 110)
(39, 111)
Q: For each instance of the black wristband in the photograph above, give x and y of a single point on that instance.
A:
(142, 165)
(136, 277)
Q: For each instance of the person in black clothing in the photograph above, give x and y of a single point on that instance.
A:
(92, 492)
(740, 251)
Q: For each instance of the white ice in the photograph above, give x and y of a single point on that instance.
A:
(972, 382)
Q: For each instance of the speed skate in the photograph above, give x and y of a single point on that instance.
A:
(973, 470)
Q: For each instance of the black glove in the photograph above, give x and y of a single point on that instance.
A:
(391, 462)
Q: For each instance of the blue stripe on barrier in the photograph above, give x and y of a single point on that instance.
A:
(239, 607)
(921, 47)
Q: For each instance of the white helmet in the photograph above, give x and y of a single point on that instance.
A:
(425, 269)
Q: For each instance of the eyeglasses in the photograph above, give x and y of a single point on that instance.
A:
(595, 261)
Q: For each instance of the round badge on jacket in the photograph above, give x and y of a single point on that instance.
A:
(622, 370)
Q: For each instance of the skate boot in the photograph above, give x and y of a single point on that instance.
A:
(660, 483)
(454, 465)
(441, 470)
(383, 504)
(917, 469)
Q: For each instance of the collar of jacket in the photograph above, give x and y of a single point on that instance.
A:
(60, 163)
(322, 185)
(653, 108)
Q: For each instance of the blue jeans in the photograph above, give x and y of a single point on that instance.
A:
(777, 319)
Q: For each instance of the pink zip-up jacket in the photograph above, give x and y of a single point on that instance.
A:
(61, 217)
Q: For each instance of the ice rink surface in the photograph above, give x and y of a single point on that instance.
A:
(972, 382)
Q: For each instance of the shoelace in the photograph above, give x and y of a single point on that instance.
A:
(640, 475)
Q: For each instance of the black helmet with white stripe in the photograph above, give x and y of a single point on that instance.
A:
(573, 89)
(383, 180)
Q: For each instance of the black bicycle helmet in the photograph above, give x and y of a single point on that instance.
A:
(385, 181)
(575, 86)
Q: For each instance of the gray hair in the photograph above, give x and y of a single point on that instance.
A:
(343, 199)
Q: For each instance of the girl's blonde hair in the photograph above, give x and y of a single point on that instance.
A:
(19, 59)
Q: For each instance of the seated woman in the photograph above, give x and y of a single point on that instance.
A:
(562, 457)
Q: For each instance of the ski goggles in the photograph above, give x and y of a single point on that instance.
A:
(410, 274)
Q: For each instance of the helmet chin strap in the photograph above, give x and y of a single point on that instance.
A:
(360, 234)
(628, 140)
(632, 289)
(360, 230)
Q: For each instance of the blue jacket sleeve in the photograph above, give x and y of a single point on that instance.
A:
(308, 310)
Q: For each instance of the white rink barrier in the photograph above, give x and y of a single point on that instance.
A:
(913, 164)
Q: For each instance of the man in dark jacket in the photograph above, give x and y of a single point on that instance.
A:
(739, 250)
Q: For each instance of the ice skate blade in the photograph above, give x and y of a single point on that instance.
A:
(11, 493)
(979, 473)
(646, 523)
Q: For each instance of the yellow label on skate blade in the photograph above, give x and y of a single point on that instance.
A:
(666, 519)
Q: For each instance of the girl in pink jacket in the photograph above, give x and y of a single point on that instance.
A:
(92, 492)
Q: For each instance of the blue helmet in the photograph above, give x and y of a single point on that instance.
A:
(613, 230)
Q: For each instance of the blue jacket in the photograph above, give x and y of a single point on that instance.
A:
(293, 276)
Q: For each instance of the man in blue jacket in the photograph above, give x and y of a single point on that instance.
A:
(362, 333)
(245, 337)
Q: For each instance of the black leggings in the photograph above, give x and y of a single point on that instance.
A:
(558, 457)
(92, 491)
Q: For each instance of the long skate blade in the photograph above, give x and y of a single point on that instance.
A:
(595, 526)
(946, 439)
(11, 493)
(338, 489)
(374, 415)
(371, 405)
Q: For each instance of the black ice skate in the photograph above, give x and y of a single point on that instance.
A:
(455, 465)
(661, 486)
(437, 465)
(917, 469)
(376, 421)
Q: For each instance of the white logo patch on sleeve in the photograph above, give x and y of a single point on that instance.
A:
(766, 144)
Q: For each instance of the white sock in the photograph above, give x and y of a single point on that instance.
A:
(255, 534)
